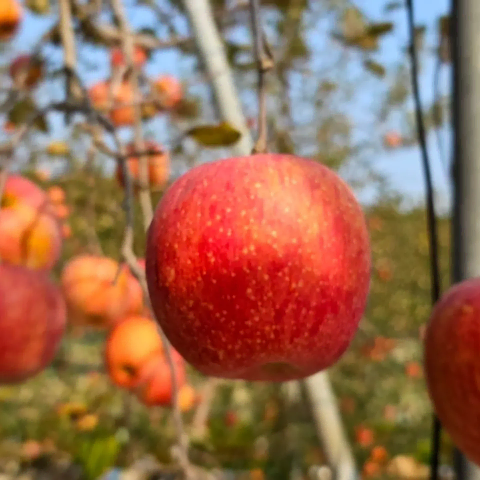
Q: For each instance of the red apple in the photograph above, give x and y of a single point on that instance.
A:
(452, 364)
(117, 60)
(30, 235)
(122, 112)
(169, 90)
(11, 14)
(258, 267)
(97, 293)
(32, 322)
(56, 195)
(158, 165)
(157, 387)
(364, 436)
(132, 347)
(21, 188)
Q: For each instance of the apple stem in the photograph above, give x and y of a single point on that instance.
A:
(264, 59)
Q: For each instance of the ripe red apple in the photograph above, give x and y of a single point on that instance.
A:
(30, 235)
(258, 267)
(32, 322)
(452, 364)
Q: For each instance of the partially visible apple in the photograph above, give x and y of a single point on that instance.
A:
(117, 57)
(21, 188)
(170, 91)
(158, 386)
(258, 267)
(56, 195)
(30, 235)
(158, 166)
(96, 290)
(121, 110)
(11, 14)
(452, 364)
(132, 346)
(32, 322)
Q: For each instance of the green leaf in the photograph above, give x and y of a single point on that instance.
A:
(378, 29)
(221, 135)
(23, 111)
(375, 68)
(356, 32)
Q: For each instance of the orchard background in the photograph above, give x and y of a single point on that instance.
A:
(334, 95)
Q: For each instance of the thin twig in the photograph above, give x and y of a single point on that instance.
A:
(200, 420)
(431, 217)
(181, 449)
(128, 51)
(67, 35)
(264, 64)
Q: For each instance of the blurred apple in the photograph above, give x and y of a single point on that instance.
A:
(452, 364)
(11, 14)
(169, 89)
(32, 322)
(158, 166)
(96, 290)
(117, 58)
(122, 111)
(364, 436)
(30, 235)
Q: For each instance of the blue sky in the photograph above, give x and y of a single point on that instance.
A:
(402, 166)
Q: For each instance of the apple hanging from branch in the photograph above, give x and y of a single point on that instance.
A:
(258, 267)
(32, 322)
(452, 364)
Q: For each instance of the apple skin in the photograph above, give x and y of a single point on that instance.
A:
(258, 267)
(32, 322)
(452, 364)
